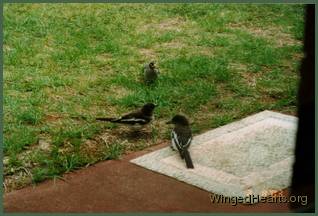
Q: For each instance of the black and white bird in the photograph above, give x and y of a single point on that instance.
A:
(141, 116)
(181, 137)
(151, 72)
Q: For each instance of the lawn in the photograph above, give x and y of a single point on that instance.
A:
(65, 64)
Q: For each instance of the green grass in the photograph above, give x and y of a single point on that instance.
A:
(114, 151)
(218, 62)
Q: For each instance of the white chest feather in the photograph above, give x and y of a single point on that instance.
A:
(174, 141)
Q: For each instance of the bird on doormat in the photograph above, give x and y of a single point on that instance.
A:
(181, 137)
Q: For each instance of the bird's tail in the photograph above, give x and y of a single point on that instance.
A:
(79, 117)
(187, 159)
(106, 119)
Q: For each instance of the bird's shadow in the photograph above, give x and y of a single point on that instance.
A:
(138, 134)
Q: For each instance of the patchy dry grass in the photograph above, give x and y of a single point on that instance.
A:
(161, 26)
(272, 33)
(65, 64)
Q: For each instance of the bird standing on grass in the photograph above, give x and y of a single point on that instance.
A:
(181, 137)
(140, 117)
(150, 72)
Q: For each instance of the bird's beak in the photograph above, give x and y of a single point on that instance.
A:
(169, 122)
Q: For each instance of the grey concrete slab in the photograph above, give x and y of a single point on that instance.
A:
(250, 156)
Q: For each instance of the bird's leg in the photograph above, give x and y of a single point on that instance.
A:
(181, 154)
(137, 128)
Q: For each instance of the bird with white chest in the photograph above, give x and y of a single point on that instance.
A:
(181, 138)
